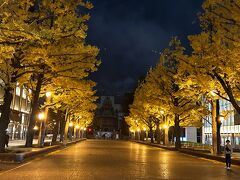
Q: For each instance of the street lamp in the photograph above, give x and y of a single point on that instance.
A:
(48, 94)
(165, 126)
(41, 117)
(35, 128)
(70, 124)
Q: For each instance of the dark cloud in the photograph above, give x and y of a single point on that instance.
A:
(132, 33)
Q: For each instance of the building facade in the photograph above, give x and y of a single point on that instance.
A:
(20, 111)
(109, 114)
(230, 128)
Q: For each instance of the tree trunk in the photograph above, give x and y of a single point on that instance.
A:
(166, 140)
(55, 132)
(35, 108)
(142, 135)
(151, 134)
(216, 125)
(4, 119)
(228, 89)
(62, 127)
(65, 138)
(177, 132)
(158, 133)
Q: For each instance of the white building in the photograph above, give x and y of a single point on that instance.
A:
(20, 110)
(230, 128)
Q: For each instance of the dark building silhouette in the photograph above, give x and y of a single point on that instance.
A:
(109, 114)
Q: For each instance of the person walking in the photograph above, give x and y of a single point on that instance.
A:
(228, 152)
(6, 139)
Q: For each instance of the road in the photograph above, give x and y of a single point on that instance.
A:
(113, 160)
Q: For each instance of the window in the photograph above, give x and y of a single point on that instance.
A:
(18, 91)
(24, 94)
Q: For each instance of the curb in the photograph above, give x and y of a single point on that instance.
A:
(193, 153)
(20, 157)
(155, 145)
(209, 156)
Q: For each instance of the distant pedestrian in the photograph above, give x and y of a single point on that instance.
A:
(6, 139)
(228, 152)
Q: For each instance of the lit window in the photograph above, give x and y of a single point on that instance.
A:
(23, 118)
(18, 91)
(24, 94)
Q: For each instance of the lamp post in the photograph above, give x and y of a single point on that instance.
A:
(70, 132)
(165, 127)
(77, 127)
(145, 133)
(41, 117)
(35, 128)
(138, 134)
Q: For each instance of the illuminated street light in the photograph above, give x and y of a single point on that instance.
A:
(41, 116)
(35, 128)
(48, 94)
(85, 129)
(70, 124)
(165, 126)
(138, 129)
(144, 129)
(77, 126)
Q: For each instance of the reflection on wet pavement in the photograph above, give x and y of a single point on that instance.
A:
(113, 160)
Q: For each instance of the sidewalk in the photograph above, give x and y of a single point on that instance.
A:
(14, 143)
(16, 152)
(198, 153)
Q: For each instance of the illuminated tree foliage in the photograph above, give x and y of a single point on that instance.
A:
(76, 98)
(212, 69)
(42, 42)
(161, 95)
(16, 35)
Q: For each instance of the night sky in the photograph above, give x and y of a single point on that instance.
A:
(132, 33)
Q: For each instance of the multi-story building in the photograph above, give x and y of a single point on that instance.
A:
(230, 128)
(20, 110)
(109, 114)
